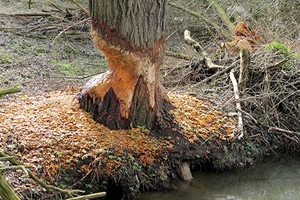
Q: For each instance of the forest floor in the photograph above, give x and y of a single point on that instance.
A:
(44, 126)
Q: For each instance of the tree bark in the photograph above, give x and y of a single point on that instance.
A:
(131, 34)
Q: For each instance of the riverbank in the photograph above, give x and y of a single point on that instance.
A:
(66, 147)
(44, 127)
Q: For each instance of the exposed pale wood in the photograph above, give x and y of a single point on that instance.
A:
(89, 196)
(130, 92)
(196, 45)
(238, 104)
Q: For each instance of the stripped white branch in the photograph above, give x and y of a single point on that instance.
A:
(238, 104)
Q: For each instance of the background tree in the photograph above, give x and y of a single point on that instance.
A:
(131, 34)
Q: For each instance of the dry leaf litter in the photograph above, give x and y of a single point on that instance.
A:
(52, 133)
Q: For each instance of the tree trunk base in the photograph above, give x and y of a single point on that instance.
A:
(106, 110)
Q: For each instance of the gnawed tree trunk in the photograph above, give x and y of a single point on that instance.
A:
(131, 34)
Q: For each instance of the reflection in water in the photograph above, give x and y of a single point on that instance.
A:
(271, 179)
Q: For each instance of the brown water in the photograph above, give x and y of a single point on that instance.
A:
(272, 178)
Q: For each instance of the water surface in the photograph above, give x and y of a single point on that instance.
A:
(273, 178)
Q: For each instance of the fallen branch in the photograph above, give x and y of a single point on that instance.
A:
(178, 55)
(6, 192)
(89, 196)
(4, 91)
(28, 14)
(49, 188)
(272, 129)
(216, 74)
(196, 45)
(238, 104)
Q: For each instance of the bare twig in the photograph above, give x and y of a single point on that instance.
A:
(216, 74)
(89, 196)
(278, 64)
(171, 35)
(274, 129)
(28, 14)
(55, 6)
(13, 168)
(66, 29)
(82, 8)
(245, 113)
(178, 55)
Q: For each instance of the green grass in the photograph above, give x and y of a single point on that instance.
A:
(284, 53)
(4, 58)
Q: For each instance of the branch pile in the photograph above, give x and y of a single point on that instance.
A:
(266, 95)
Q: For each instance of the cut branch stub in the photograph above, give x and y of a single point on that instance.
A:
(129, 93)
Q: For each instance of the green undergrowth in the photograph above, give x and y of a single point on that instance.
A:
(284, 52)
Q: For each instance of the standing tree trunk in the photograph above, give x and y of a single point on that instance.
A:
(131, 34)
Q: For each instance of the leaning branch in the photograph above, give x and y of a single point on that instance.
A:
(81, 7)
(223, 16)
(196, 45)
